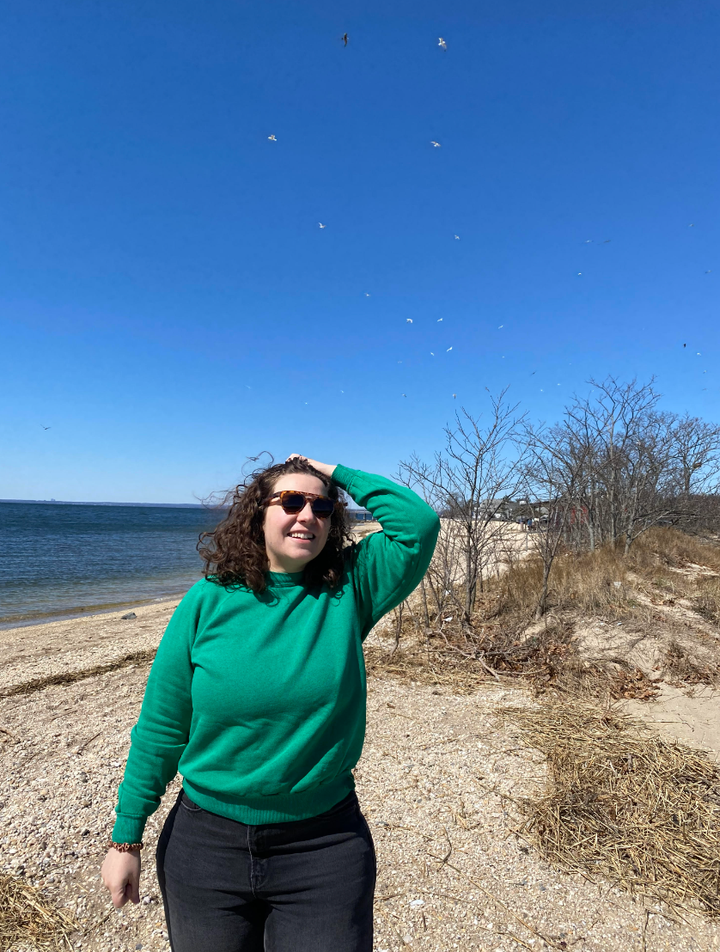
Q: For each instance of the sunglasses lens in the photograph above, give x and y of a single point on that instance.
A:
(322, 507)
(292, 502)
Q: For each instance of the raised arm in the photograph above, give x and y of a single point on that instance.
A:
(387, 566)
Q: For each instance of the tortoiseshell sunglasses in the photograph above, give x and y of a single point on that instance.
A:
(293, 501)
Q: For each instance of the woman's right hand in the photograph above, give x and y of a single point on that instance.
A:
(121, 874)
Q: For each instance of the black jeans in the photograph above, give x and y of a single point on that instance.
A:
(300, 886)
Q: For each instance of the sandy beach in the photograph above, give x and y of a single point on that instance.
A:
(434, 782)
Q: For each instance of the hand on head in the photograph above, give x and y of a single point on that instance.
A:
(327, 469)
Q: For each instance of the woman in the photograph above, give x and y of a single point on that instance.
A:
(257, 695)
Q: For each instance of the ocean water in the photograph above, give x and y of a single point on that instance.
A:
(60, 560)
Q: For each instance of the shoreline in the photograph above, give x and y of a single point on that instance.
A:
(89, 611)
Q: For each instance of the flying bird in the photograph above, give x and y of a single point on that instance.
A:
(441, 43)
(709, 272)
(501, 326)
(431, 354)
(46, 427)
(434, 144)
(272, 138)
(454, 396)
(438, 320)
(691, 226)
(344, 38)
(320, 225)
(408, 320)
(457, 237)
(448, 350)
(405, 395)
(366, 294)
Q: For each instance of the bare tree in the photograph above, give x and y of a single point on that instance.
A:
(696, 451)
(556, 472)
(470, 481)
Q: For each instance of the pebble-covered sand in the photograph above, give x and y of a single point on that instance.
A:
(453, 873)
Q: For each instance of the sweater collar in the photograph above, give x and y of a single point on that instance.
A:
(284, 579)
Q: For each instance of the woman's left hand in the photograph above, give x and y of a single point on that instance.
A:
(327, 469)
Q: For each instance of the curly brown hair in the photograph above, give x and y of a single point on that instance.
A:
(234, 552)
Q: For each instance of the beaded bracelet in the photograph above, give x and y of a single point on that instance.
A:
(125, 847)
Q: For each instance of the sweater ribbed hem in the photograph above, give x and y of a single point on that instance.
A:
(254, 811)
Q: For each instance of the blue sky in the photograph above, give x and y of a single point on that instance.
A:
(169, 304)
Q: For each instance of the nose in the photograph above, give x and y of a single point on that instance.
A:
(306, 512)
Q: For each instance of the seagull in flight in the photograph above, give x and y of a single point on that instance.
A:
(579, 274)
(454, 396)
(46, 427)
(435, 144)
(438, 320)
(320, 225)
(448, 350)
(441, 43)
(457, 237)
(431, 354)
(408, 320)
(272, 138)
(709, 272)
(501, 326)
(344, 38)
(691, 226)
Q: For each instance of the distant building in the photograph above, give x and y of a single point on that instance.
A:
(360, 515)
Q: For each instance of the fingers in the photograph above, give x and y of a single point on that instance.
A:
(118, 896)
(132, 890)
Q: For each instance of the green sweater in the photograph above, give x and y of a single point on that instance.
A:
(260, 700)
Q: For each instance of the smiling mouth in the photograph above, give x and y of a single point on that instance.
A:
(302, 536)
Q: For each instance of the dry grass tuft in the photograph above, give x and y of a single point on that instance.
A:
(26, 917)
(675, 549)
(598, 582)
(707, 600)
(624, 804)
(588, 582)
(681, 668)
